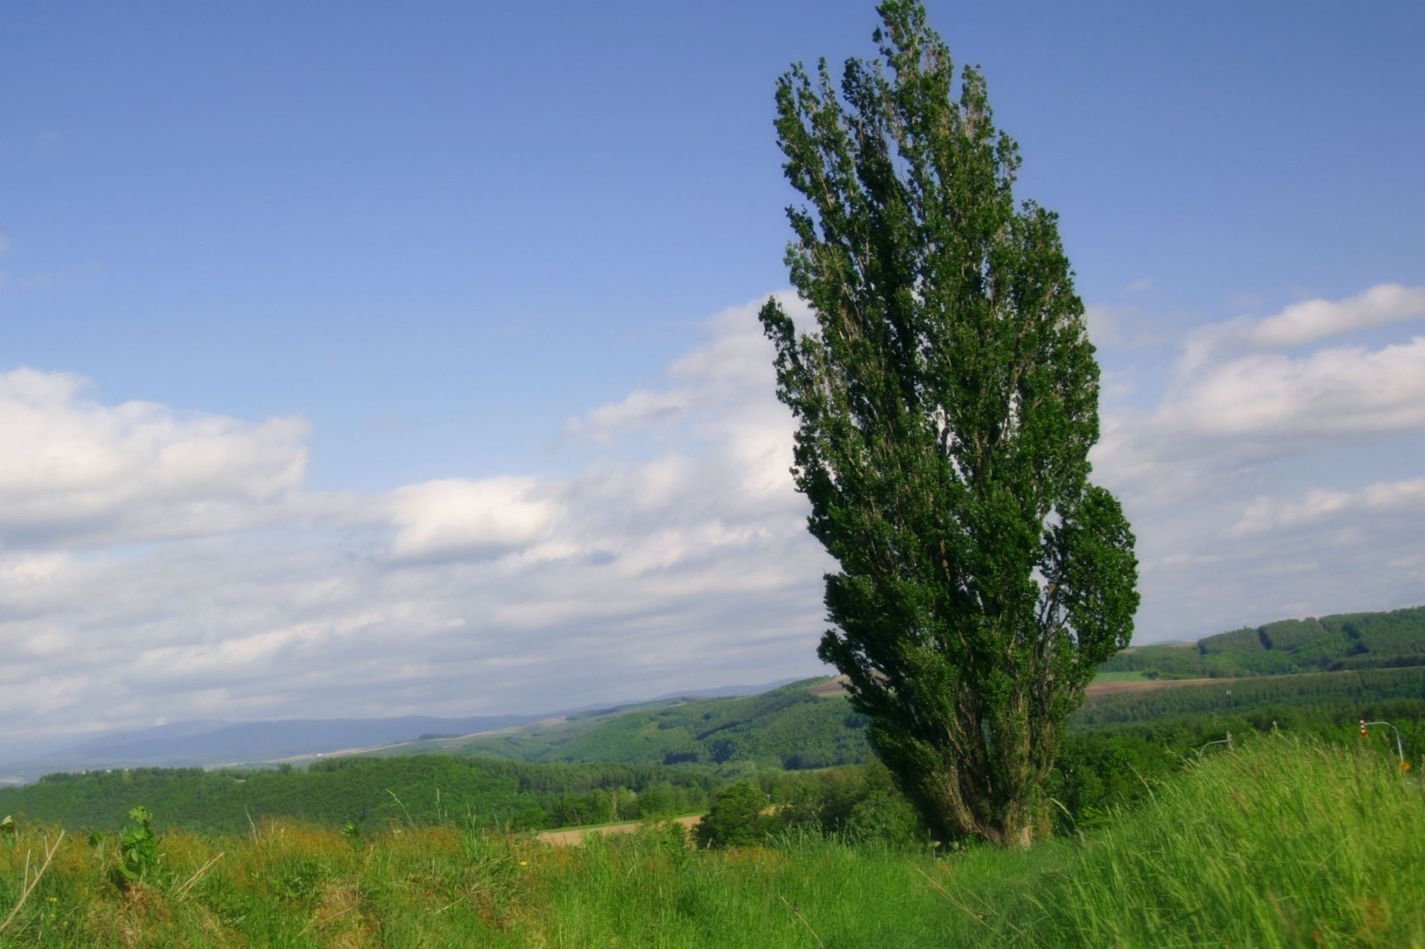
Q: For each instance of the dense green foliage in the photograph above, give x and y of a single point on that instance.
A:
(1331, 643)
(1275, 843)
(854, 805)
(946, 402)
(734, 818)
(1352, 690)
(139, 858)
(369, 793)
(1107, 768)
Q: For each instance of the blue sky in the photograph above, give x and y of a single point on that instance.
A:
(352, 354)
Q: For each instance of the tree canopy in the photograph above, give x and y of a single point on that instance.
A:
(946, 401)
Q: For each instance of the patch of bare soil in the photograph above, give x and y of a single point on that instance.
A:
(574, 836)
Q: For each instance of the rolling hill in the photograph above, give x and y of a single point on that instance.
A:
(1348, 659)
(1347, 641)
(791, 727)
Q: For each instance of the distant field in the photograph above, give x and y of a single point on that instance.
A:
(1114, 683)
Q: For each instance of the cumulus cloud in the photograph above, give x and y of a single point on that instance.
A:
(454, 518)
(730, 373)
(1248, 479)
(675, 557)
(639, 408)
(1103, 322)
(1268, 513)
(1229, 410)
(1346, 391)
(1301, 323)
(76, 468)
(1312, 320)
(157, 562)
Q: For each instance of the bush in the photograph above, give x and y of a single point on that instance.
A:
(734, 819)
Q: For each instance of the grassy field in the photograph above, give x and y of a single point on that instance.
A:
(1280, 843)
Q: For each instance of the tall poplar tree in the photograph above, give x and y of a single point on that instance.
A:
(946, 401)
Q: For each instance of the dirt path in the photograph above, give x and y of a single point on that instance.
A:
(576, 835)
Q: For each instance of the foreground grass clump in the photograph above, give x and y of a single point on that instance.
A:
(292, 885)
(1281, 843)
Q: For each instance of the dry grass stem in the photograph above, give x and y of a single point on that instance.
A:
(30, 884)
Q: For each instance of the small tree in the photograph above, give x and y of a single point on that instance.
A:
(946, 403)
(734, 818)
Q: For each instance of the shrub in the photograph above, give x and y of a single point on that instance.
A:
(734, 819)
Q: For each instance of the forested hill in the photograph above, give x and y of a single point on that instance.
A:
(1348, 641)
(805, 724)
(798, 726)
(366, 792)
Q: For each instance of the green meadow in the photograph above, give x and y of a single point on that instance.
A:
(1279, 841)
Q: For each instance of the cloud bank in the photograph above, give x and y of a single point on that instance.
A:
(1255, 481)
(159, 563)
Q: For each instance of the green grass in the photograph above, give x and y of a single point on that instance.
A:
(1277, 843)
(1284, 843)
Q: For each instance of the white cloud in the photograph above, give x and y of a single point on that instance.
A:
(1265, 484)
(478, 519)
(1312, 320)
(675, 557)
(1269, 513)
(731, 371)
(1301, 323)
(1347, 391)
(640, 407)
(74, 467)
(677, 560)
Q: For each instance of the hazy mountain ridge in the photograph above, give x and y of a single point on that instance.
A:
(218, 742)
(189, 744)
(784, 725)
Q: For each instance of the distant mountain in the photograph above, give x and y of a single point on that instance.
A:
(214, 742)
(797, 725)
(184, 744)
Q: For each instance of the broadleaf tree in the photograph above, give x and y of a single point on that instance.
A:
(946, 400)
